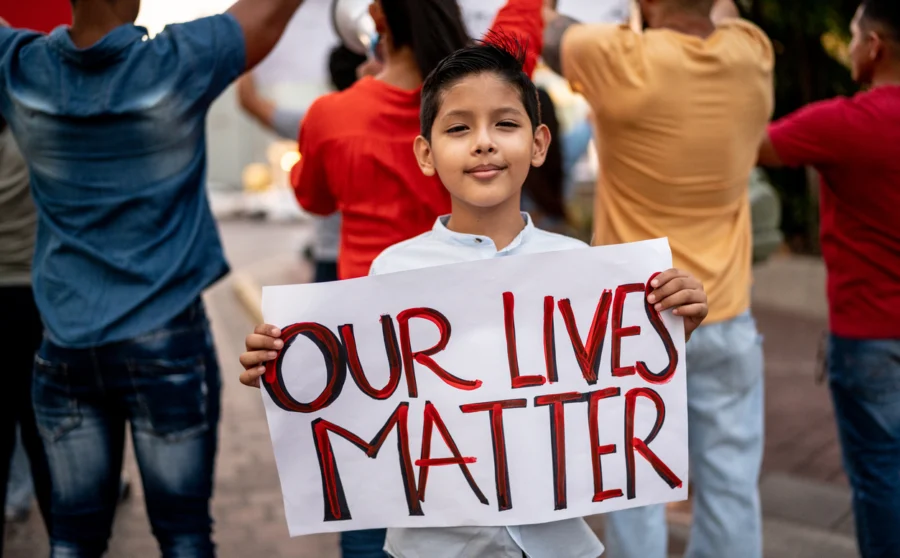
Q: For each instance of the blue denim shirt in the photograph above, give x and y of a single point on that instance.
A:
(114, 136)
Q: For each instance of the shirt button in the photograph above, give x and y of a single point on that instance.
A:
(478, 240)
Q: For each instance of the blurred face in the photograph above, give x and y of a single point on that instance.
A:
(482, 146)
(866, 48)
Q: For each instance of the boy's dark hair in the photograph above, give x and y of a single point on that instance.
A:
(885, 13)
(503, 57)
(432, 29)
(342, 65)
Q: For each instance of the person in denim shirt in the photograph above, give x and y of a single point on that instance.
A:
(112, 125)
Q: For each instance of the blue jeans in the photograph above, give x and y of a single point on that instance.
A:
(166, 385)
(725, 422)
(865, 387)
(363, 544)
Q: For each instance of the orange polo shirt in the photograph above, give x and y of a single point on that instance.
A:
(679, 120)
(357, 157)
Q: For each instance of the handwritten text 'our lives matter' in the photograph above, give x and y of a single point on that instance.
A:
(340, 354)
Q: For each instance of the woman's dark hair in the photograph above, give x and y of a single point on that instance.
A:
(342, 65)
(432, 29)
(544, 184)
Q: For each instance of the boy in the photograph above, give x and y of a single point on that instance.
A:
(481, 135)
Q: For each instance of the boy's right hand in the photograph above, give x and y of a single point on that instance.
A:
(262, 346)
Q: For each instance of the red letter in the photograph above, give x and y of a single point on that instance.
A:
(550, 340)
(597, 451)
(335, 368)
(667, 372)
(356, 369)
(588, 359)
(558, 441)
(632, 443)
(424, 357)
(619, 332)
(432, 419)
(509, 321)
(336, 508)
(501, 469)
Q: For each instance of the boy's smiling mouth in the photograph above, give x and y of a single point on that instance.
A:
(486, 172)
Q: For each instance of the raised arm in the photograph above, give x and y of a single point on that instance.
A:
(263, 23)
(523, 20)
(724, 9)
(556, 26)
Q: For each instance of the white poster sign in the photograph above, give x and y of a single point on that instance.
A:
(510, 391)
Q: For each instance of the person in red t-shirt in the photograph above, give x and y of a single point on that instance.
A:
(855, 145)
(357, 145)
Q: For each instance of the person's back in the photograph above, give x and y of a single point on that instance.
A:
(677, 118)
(122, 120)
(371, 171)
(680, 109)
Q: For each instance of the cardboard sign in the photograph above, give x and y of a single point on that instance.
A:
(510, 391)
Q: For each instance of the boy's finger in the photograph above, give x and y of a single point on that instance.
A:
(673, 286)
(266, 329)
(255, 358)
(666, 276)
(259, 342)
(251, 377)
(696, 310)
(680, 298)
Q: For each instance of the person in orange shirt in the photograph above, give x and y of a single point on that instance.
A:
(681, 107)
(356, 146)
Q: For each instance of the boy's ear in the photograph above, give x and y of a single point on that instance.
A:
(424, 156)
(542, 141)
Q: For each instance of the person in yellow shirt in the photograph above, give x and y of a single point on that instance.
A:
(681, 103)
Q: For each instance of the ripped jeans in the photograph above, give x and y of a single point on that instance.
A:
(166, 385)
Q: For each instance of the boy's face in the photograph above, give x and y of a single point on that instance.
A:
(482, 146)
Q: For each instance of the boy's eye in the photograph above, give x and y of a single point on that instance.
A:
(456, 129)
(508, 124)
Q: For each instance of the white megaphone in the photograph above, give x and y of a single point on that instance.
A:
(354, 26)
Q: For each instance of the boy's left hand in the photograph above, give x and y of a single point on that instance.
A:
(682, 292)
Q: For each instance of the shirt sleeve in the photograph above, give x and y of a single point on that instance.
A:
(211, 53)
(597, 57)
(8, 38)
(286, 122)
(818, 134)
(524, 21)
(309, 176)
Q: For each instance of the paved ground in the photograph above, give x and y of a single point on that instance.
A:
(805, 498)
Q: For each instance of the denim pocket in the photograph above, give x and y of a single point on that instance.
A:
(869, 369)
(170, 397)
(56, 410)
(725, 357)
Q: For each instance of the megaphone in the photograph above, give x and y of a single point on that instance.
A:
(354, 26)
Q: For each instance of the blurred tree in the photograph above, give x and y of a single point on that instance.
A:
(810, 39)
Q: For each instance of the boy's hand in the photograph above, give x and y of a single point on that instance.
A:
(684, 293)
(261, 345)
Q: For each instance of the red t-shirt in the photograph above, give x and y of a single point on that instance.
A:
(41, 16)
(357, 157)
(855, 146)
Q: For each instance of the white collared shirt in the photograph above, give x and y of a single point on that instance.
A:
(570, 538)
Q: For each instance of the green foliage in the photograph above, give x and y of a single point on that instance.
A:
(804, 72)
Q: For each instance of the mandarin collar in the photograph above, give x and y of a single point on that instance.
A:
(443, 234)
